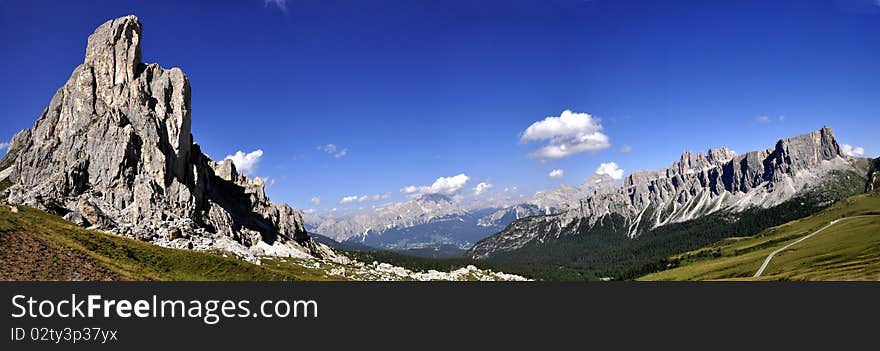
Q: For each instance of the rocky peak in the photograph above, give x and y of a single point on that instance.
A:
(693, 186)
(597, 181)
(435, 198)
(641, 176)
(114, 147)
(691, 163)
(788, 156)
(809, 149)
(721, 155)
(226, 170)
(114, 51)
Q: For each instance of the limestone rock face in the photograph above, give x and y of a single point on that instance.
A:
(113, 150)
(693, 186)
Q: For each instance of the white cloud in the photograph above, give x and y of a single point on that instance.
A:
(850, 150)
(449, 185)
(4, 146)
(409, 189)
(570, 133)
(316, 200)
(482, 187)
(626, 148)
(443, 185)
(782, 118)
(281, 4)
(611, 169)
(567, 124)
(334, 150)
(557, 173)
(246, 163)
(762, 119)
(364, 198)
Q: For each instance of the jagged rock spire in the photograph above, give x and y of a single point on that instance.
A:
(114, 50)
(115, 143)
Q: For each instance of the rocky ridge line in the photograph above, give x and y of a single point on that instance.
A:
(114, 151)
(693, 186)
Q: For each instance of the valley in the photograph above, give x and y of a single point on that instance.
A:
(847, 250)
(41, 246)
(438, 226)
(110, 184)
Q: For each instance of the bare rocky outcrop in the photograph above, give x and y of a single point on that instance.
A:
(114, 151)
(696, 185)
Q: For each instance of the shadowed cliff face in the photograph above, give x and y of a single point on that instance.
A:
(692, 187)
(113, 150)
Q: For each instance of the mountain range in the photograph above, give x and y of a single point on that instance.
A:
(436, 222)
(698, 199)
(113, 151)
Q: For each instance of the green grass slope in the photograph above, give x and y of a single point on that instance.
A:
(604, 251)
(848, 250)
(41, 246)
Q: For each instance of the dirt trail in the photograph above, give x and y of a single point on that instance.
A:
(26, 256)
(770, 257)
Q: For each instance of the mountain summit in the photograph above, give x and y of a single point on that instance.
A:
(692, 187)
(114, 151)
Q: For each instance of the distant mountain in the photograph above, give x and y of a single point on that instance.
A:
(435, 223)
(424, 251)
(347, 246)
(548, 202)
(427, 221)
(797, 176)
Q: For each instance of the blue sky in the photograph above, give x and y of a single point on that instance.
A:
(417, 90)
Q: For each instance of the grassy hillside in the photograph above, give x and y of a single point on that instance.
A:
(604, 252)
(848, 250)
(35, 245)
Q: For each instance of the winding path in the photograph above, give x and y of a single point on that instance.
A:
(770, 257)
